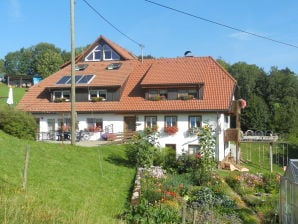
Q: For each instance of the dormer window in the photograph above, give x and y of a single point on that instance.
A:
(102, 53)
(61, 95)
(99, 93)
(187, 94)
(161, 94)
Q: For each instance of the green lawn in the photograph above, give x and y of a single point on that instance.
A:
(256, 157)
(18, 93)
(66, 184)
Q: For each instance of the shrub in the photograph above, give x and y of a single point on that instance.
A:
(165, 157)
(18, 123)
(206, 197)
(148, 213)
(141, 150)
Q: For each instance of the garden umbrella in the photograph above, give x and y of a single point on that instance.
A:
(9, 100)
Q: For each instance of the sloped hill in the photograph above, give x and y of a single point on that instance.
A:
(66, 184)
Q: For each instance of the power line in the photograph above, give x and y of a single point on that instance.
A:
(221, 24)
(107, 21)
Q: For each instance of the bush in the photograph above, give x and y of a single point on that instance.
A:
(141, 150)
(148, 213)
(166, 158)
(18, 123)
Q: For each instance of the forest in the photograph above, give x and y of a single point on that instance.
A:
(272, 97)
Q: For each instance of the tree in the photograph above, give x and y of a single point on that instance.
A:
(1, 66)
(248, 77)
(48, 62)
(282, 97)
(251, 82)
(224, 64)
(20, 62)
(256, 115)
(28, 61)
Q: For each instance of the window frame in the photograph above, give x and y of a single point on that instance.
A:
(150, 120)
(113, 54)
(173, 121)
(94, 124)
(193, 148)
(96, 51)
(196, 122)
(99, 93)
(63, 94)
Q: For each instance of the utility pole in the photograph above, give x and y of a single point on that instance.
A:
(73, 90)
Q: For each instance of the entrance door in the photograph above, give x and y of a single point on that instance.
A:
(129, 124)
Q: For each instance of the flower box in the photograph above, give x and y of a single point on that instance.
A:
(170, 130)
(96, 99)
(59, 100)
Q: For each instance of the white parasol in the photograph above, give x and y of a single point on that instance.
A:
(9, 100)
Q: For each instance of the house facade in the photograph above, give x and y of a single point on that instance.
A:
(116, 92)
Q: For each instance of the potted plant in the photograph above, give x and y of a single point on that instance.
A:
(59, 100)
(96, 99)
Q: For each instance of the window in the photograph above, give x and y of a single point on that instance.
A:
(157, 94)
(109, 54)
(99, 93)
(102, 53)
(195, 121)
(163, 94)
(114, 66)
(81, 67)
(170, 121)
(94, 124)
(152, 94)
(64, 124)
(186, 94)
(150, 121)
(95, 54)
(192, 149)
(61, 94)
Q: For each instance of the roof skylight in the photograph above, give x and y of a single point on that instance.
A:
(114, 66)
(81, 67)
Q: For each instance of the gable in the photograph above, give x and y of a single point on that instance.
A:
(105, 50)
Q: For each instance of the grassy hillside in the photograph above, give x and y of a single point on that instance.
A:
(18, 93)
(66, 184)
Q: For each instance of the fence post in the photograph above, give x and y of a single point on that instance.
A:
(183, 214)
(26, 164)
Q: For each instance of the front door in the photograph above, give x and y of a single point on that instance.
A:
(129, 124)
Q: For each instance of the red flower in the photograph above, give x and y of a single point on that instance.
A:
(198, 156)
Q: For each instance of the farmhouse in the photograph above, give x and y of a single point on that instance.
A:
(116, 93)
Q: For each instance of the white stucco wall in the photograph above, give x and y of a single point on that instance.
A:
(182, 139)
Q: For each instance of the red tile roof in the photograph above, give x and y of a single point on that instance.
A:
(133, 75)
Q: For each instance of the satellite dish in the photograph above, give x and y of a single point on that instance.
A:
(186, 53)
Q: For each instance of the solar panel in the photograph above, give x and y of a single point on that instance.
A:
(64, 79)
(85, 79)
(77, 78)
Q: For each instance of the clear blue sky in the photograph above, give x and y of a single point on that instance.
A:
(163, 32)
